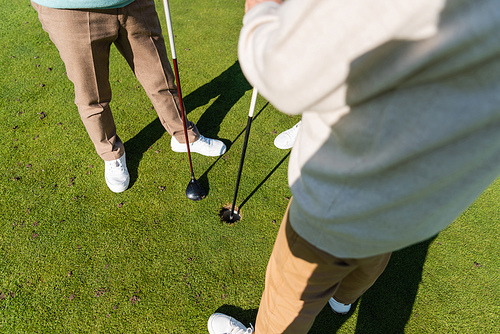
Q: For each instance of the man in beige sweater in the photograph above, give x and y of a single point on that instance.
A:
(400, 133)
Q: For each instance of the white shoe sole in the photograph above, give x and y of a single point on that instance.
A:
(118, 188)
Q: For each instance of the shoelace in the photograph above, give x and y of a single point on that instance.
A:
(292, 132)
(115, 164)
(296, 127)
(208, 141)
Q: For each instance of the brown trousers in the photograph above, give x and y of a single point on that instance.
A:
(84, 38)
(301, 278)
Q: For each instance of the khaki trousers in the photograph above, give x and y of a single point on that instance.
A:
(300, 279)
(84, 38)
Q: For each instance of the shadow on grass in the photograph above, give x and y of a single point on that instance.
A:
(385, 308)
(139, 144)
(264, 180)
(228, 88)
(246, 317)
(204, 178)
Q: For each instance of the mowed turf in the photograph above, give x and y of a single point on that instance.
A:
(77, 258)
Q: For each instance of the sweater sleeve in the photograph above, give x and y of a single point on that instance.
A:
(300, 54)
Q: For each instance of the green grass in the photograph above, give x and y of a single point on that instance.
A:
(76, 258)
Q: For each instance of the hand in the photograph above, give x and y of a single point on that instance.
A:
(249, 4)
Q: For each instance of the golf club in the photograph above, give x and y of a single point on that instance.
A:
(243, 151)
(194, 190)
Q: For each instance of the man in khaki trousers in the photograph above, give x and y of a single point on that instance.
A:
(83, 37)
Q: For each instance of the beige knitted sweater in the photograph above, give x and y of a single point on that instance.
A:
(400, 104)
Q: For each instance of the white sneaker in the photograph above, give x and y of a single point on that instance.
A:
(205, 146)
(286, 139)
(116, 174)
(219, 323)
(339, 308)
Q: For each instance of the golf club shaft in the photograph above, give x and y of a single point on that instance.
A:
(177, 80)
(244, 149)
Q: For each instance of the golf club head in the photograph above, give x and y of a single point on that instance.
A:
(195, 191)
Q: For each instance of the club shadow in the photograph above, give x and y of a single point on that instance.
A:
(264, 180)
(204, 177)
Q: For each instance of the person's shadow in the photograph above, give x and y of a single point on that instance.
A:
(228, 88)
(386, 307)
(246, 317)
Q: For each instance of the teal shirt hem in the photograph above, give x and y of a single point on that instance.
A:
(84, 4)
